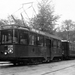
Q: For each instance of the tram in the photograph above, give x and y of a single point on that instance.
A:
(68, 49)
(22, 44)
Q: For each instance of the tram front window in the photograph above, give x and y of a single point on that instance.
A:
(16, 37)
(6, 36)
(0, 37)
(20, 37)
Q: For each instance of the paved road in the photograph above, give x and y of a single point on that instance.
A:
(55, 68)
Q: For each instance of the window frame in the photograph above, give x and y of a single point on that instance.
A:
(48, 42)
(3, 33)
(23, 31)
(59, 45)
(30, 39)
(16, 31)
(0, 37)
(41, 43)
(56, 43)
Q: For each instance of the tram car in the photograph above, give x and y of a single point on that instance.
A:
(68, 49)
(21, 44)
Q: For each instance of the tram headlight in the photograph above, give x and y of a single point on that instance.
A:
(5, 53)
(10, 48)
(10, 51)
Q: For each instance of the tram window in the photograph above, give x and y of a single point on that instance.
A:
(45, 42)
(15, 37)
(48, 42)
(0, 37)
(23, 38)
(6, 36)
(32, 40)
(59, 44)
(54, 43)
(70, 47)
(40, 41)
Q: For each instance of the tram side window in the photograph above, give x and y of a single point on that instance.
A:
(24, 38)
(6, 36)
(59, 44)
(48, 43)
(32, 40)
(54, 43)
(70, 47)
(0, 37)
(40, 40)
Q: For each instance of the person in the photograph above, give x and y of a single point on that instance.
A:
(9, 38)
(15, 39)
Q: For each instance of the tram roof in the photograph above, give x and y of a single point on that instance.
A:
(13, 26)
(66, 41)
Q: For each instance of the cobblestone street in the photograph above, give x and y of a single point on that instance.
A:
(53, 68)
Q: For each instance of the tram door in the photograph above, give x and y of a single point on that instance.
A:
(48, 41)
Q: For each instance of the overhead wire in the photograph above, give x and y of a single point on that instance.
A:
(24, 10)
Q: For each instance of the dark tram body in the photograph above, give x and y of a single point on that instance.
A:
(18, 43)
(68, 50)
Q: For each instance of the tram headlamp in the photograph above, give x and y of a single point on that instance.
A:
(10, 48)
(10, 51)
(5, 53)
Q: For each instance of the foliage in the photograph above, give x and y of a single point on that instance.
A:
(68, 25)
(45, 19)
(67, 30)
(64, 35)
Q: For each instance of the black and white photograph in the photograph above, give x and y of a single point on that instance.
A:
(37, 37)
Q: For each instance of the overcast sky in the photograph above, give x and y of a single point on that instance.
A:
(64, 8)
